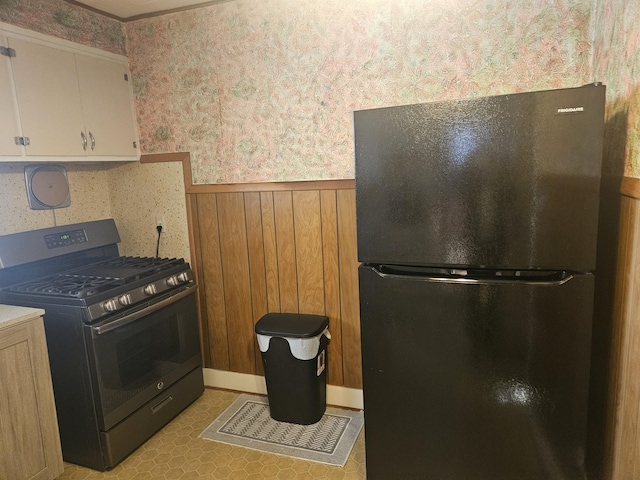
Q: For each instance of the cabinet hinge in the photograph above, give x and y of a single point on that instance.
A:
(22, 141)
(135, 144)
(126, 77)
(7, 52)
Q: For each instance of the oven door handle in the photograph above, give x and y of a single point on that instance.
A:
(121, 322)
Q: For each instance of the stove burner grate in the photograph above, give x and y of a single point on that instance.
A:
(69, 285)
(97, 277)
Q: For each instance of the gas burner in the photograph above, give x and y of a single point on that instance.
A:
(97, 277)
(146, 264)
(68, 285)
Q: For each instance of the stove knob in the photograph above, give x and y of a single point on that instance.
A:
(150, 289)
(125, 299)
(111, 305)
(183, 277)
(174, 280)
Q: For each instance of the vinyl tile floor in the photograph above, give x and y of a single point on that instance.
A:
(176, 453)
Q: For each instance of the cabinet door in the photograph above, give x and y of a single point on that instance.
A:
(9, 126)
(107, 107)
(29, 439)
(48, 98)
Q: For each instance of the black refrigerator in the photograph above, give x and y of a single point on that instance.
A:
(476, 226)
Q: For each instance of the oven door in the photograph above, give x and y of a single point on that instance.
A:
(141, 353)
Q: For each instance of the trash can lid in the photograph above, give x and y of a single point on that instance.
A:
(297, 325)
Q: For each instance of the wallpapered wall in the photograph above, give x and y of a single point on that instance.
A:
(617, 64)
(263, 90)
(63, 20)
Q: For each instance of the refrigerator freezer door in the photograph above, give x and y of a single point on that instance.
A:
(483, 381)
(509, 181)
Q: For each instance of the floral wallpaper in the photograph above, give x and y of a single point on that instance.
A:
(617, 64)
(264, 90)
(63, 20)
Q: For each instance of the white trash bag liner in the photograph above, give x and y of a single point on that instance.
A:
(301, 348)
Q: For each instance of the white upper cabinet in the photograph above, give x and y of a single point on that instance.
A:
(106, 103)
(48, 98)
(9, 122)
(74, 103)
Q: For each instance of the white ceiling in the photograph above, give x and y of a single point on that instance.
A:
(131, 8)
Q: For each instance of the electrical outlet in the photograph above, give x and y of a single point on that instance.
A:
(160, 222)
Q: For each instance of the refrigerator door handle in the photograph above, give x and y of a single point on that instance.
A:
(478, 277)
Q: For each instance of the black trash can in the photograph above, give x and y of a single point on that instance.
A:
(294, 355)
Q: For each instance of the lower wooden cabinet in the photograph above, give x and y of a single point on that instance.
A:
(29, 439)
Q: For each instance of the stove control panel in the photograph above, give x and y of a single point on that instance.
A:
(64, 239)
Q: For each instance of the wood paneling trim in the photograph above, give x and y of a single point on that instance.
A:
(197, 268)
(95, 10)
(212, 286)
(270, 251)
(237, 285)
(171, 10)
(145, 15)
(331, 268)
(308, 239)
(286, 248)
(630, 187)
(623, 451)
(349, 295)
(183, 157)
(257, 272)
(273, 187)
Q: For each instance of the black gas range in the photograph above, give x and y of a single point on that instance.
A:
(122, 334)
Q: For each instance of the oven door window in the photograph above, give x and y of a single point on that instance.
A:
(135, 362)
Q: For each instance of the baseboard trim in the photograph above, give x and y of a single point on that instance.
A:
(243, 382)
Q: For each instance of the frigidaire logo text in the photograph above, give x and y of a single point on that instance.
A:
(571, 110)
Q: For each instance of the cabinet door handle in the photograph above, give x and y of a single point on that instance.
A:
(84, 141)
(93, 141)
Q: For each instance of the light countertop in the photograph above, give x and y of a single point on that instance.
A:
(11, 315)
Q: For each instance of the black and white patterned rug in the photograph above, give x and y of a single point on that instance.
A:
(247, 423)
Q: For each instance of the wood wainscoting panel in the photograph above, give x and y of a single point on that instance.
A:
(308, 239)
(330, 260)
(277, 251)
(623, 446)
(212, 285)
(234, 253)
(349, 294)
(270, 251)
(258, 277)
(196, 267)
(286, 251)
